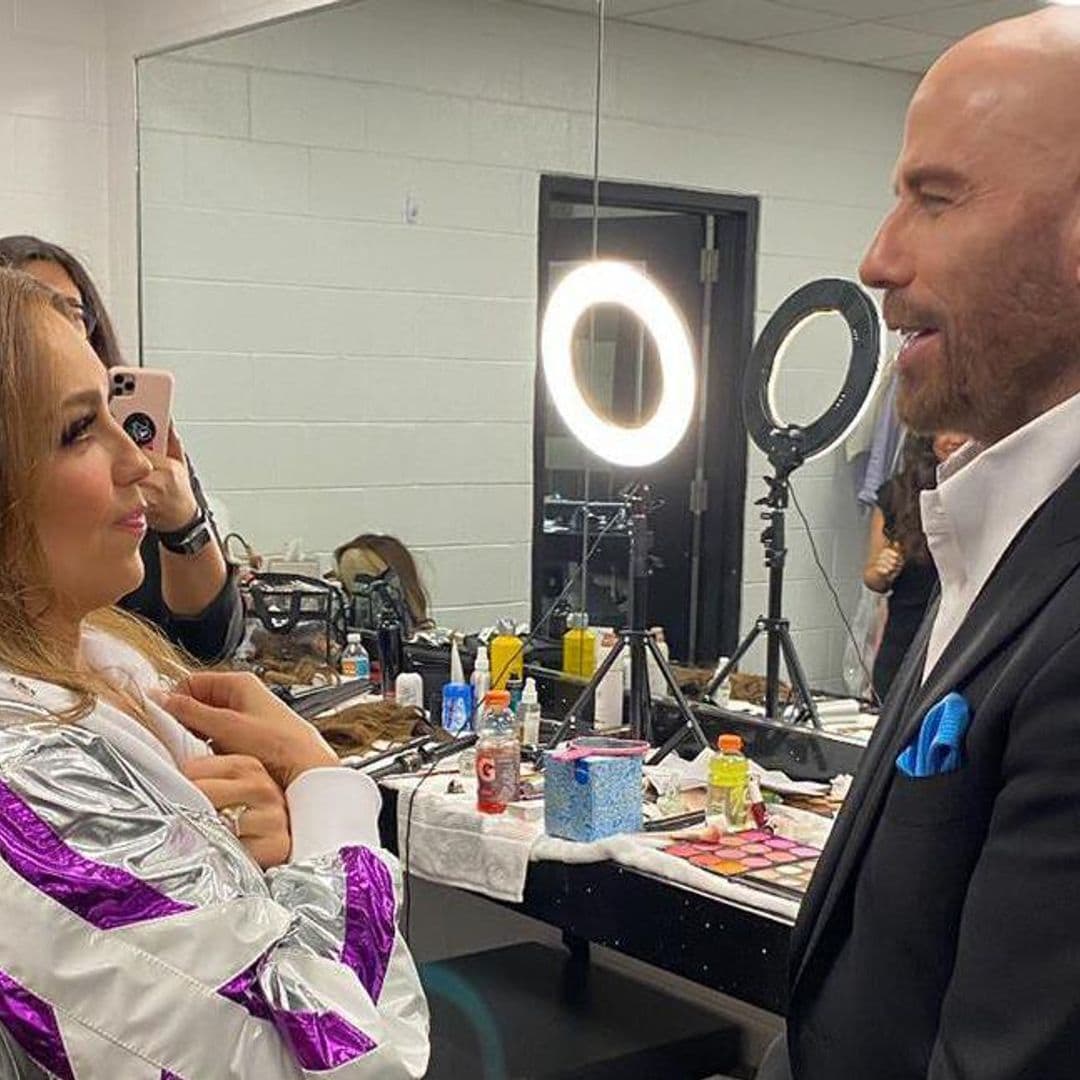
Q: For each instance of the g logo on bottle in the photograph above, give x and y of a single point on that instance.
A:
(485, 770)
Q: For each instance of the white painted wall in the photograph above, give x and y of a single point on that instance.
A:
(322, 339)
(67, 119)
(679, 110)
(135, 28)
(53, 124)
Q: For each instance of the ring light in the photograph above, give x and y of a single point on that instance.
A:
(827, 296)
(612, 282)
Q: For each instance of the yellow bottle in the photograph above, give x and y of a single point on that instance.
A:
(507, 656)
(578, 646)
(729, 773)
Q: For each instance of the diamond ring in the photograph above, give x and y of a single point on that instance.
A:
(231, 816)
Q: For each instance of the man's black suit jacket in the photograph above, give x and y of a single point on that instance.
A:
(940, 937)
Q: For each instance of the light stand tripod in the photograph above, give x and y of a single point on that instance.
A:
(640, 642)
(785, 455)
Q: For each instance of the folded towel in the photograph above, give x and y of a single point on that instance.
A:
(939, 746)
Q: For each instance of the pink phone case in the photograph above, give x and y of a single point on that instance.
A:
(140, 399)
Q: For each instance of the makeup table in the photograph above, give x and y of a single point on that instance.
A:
(725, 945)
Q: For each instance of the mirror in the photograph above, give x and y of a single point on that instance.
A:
(350, 219)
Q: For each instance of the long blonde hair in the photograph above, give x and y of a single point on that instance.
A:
(372, 553)
(29, 432)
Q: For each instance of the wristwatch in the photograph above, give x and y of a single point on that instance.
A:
(191, 538)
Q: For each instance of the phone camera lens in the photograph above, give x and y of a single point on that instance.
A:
(130, 384)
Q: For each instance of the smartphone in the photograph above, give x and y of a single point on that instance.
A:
(140, 400)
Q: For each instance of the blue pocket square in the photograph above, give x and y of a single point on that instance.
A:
(939, 746)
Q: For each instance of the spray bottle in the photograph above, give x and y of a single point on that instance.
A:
(481, 679)
(529, 714)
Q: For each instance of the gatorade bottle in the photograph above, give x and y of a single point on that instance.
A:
(729, 773)
(498, 755)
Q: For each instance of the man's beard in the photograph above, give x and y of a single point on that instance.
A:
(996, 373)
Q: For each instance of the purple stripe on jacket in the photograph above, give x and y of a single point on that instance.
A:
(369, 917)
(321, 1041)
(244, 990)
(318, 1041)
(105, 896)
(31, 1022)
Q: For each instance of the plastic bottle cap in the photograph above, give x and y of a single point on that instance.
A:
(505, 627)
(482, 662)
(529, 693)
(500, 698)
(730, 744)
(577, 620)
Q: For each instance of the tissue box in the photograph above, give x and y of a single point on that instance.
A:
(592, 797)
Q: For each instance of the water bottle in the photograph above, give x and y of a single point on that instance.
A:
(729, 772)
(498, 755)
(355, 662)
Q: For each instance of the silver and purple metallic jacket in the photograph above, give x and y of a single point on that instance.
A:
(139, 941)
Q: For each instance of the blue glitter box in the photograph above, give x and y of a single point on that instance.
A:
(592, 797)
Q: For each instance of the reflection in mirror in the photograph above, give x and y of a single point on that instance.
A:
(662, 232)
(616, 366)
(347, 239)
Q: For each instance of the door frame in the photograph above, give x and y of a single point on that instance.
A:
(732, 332)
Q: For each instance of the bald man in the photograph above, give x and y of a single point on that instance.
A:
(941, 935)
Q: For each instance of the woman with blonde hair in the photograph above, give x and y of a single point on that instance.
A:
(373, 559)
(171, 910)
(187, 589)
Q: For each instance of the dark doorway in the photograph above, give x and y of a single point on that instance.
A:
(701, 249)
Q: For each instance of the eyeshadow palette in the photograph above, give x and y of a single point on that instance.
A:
(754, 856)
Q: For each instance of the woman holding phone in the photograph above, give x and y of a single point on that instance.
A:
(188, 591)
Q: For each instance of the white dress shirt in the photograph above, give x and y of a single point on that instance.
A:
(984, 497)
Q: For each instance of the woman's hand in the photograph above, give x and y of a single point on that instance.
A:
(170, 500)
(889, 563)
(241, 716)
(241, 784)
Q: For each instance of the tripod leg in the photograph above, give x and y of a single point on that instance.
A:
(798, 676)
(736, 656)
(570, 719)
(640, 696)
(690, 721)
(772, 673)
